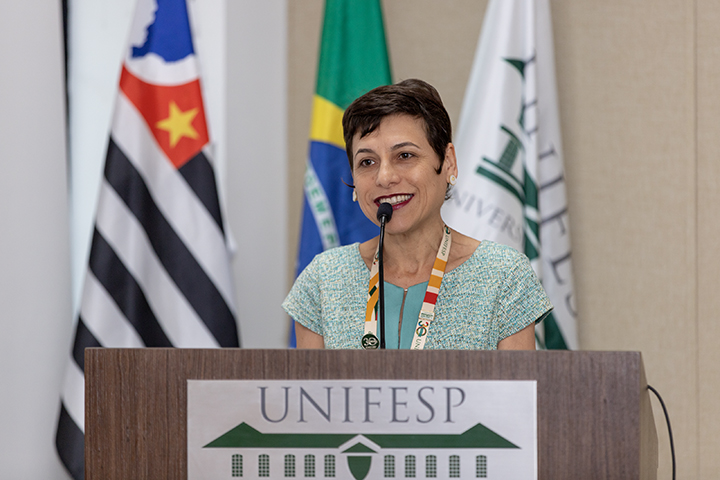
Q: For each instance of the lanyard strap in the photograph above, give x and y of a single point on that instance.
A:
(427, 313)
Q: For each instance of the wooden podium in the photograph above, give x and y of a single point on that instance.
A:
(594, 415)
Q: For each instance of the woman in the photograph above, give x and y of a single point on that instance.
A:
(442, 289)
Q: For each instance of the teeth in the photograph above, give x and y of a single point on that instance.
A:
(396, 199)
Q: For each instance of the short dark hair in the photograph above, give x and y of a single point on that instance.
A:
(411, 97)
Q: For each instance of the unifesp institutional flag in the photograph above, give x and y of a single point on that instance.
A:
(159, 268)
(353, 61)
(511, 182)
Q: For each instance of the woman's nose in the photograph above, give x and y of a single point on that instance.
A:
(387, 175)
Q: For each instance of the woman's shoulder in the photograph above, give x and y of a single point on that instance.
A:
(492, 254)
(334, 259)
(490, 248)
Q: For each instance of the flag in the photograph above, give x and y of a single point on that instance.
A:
(159, 268)
(511, 182)
(353, 61)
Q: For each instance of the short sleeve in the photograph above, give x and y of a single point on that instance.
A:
(523, 300)
(303, 303)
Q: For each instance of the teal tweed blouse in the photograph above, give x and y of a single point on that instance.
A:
(490, 296)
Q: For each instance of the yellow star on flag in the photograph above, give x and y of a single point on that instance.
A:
(179, 124)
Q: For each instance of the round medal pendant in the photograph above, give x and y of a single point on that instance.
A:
(369, 342)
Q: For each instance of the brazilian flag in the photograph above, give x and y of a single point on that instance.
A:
(353, 61)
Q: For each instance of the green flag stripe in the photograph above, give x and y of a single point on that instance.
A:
(353, 56)
(498, 170)
(500, 181)
(531, 192)
(554, 339)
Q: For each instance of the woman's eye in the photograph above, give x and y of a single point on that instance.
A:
(406, 155)
(365, 162)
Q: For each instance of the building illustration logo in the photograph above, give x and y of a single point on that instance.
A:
(359, 430)
(359, 450)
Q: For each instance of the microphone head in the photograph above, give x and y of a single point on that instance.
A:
(385, 210)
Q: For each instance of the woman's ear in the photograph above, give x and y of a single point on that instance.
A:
(450, 164)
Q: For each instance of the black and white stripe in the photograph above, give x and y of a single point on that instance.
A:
(159, 267)
(200, 176)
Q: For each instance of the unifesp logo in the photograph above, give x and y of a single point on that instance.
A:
(357, 429)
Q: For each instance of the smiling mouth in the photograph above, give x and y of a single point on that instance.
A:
(396, 200)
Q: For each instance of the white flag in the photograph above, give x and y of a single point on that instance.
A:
(511, 182)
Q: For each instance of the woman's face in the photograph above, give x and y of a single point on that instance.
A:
(397, 165)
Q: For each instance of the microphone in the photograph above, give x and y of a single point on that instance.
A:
(384, 214)
(385, 211)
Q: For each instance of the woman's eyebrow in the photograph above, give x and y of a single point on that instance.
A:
(403, 145)
(397, 146)
(363, 150)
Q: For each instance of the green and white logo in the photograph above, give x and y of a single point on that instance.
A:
(362, 429)
(510, 171)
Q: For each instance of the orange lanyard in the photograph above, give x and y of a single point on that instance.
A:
(427, 313)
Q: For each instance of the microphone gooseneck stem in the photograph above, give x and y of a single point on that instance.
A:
(381, 267)
(384, 214)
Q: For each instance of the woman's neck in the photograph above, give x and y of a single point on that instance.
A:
(409, 257)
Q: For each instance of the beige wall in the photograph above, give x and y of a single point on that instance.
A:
(639, 108)
(707, 171)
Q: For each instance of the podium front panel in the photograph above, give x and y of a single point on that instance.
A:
(594, 415)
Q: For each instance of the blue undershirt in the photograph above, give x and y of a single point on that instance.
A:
(413, 301)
